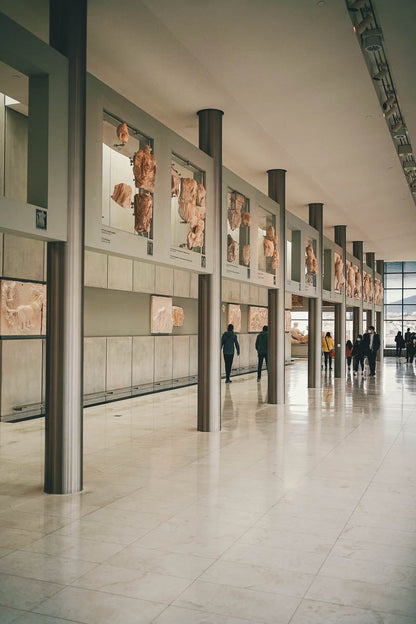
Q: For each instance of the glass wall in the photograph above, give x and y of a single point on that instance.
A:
(399, 299)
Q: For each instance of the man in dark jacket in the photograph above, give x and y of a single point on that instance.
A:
(262, 347)
(228, 342)
(371, 345)
(408, 342)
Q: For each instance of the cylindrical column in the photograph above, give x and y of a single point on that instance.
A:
(64, 343)
(276, 366)
(316, 220)
(380, 315)
(209, 287)
(340, 235)
(371, 261)
(357, 252)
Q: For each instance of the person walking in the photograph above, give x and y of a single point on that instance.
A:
(328, 349)
(412, 348)
(229, 344)
(262, 347)
(408, 342)
(348, 353)
(358, 354)
(372, 345)
(400, 343)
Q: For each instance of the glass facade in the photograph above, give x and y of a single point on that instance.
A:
(399, 299)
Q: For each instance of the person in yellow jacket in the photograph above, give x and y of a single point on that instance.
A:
(328, 349)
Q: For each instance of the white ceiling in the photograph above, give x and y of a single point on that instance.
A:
(293, 84)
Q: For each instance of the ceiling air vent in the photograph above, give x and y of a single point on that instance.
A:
(372, 40)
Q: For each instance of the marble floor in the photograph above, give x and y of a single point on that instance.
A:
(303, 513)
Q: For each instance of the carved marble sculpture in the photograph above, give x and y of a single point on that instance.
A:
(371, 295)
(187, 201)
(275, 259)
(195, 236)
(270, 232)
(178, 316)
(174, 182)
(143, 210)
(144, 169)
(122, 195)
(234, 211)
(161, 315)
(366, 287)
(246, 219)
(123, 132)
(257, 318)
(234, 316)
(350, 279)
(268, 247)
(23, 308)
(246, 255)
(339, 279)
(297, 336)
(311, 261)
(232, 249)
(378, 292)
(200, 200)
(357, 283)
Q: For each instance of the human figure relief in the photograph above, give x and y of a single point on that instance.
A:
(234, 211)
(350, 279)
(122, 195)
(232, 249)
(275, 259)
(123, 133)
(195, 236)
(246, 219)
(143, 212)
(339, 279)
(268, 247)
(24, 307)
(311, 261)
(187, 201)
(366, 287)
(200, 200)
(246, 255)
(297, 336)
(357, 283)
(144, 169)
(174, 182)
(178, 316)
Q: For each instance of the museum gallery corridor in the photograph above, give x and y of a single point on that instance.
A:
(303, 513)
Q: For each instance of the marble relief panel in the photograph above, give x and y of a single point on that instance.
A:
(23, 308)
(257, 318)
(234, 316)
(161, 317)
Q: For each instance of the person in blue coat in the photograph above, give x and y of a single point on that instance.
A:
(229, 345)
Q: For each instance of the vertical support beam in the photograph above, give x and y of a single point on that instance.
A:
(276, 369)
(64, 345)
(357, 252)
(380, 315)
(340, 235)
(371, 261)
(316, 220)
(209, 288)
(2, 141)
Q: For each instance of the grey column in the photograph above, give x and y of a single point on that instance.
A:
(371, 261)
(316, 220)
(2, 141)
(340, 235)
(357, 252)
(209, 287)
(276, 364)
(64, 344)
(380, 315)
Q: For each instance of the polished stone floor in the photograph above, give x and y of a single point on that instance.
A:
(303, 513)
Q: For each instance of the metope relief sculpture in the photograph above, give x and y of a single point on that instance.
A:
(188, 205)
(368, 287)
(339, 278)
(311, 264)
(357, 283)
(378, 292)
(234, 316)
(238, 228)
(128, 163)
(350, 279)
(178, 316)
(257, 318)
(23, 309)
(161, 315)
(268, 258)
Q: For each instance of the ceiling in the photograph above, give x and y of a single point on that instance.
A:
(294, 87)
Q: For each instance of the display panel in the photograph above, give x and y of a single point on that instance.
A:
(268, 253)
(23, 308)
(188, 205)
(238, 228)
(129, 173)
(257, 318)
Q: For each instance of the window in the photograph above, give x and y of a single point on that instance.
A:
(399, 299)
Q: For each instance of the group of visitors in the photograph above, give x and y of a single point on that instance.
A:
(407, 342)
(365, 346)
(230, 344)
